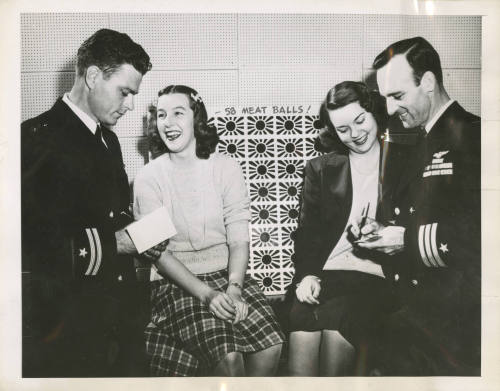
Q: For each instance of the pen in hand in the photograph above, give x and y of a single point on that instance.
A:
(370, 237)
(364, 216)
(352, 236)
(358, 238)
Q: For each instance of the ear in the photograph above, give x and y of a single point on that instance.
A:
(91, 75)
(428, 82)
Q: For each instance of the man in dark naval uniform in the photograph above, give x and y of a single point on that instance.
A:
(80, 304)
(434, 236)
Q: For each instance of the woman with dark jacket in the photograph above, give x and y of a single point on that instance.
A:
(341, 292)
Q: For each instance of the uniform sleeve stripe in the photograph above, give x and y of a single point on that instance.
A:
(99, 251)
(421, 246)
(435, 252)
(427, 245)
(92, 251)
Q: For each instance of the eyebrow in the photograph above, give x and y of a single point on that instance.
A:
(354, 120)
(394, 93)
(133, 92)
(173, 108)
(359, 115)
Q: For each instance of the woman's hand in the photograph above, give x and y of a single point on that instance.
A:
(308, 290)
(241, 305)
(221, 305)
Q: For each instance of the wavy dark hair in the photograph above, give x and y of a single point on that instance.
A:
(108, 50)
(419, 53)
(205, 134)
(339, 96)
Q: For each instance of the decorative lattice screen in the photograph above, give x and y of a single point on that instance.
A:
(272, 150)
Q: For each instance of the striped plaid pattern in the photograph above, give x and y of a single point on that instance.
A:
(188, 340)
(167, 357)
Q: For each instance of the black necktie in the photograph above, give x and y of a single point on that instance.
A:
(421, 134)
(98, 136)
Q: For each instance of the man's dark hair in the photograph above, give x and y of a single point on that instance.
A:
(109, 49)
(419, 53)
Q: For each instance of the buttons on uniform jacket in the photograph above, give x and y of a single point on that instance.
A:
(396, 277)
(111, 214)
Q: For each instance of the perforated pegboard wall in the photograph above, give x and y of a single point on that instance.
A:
(300, 40)
(271, 86)
(464, 85)
(183, 41)
(40, 90)
(135, 152)
(240, 62)
(49, 41)
(457, 39)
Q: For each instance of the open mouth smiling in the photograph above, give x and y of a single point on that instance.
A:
(172, 135)
(361, 141)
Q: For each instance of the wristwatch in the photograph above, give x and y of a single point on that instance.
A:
(236, 284)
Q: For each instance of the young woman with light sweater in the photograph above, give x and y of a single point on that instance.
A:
(203, 303)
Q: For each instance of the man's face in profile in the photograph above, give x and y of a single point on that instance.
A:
(113, 94)
(404, 97)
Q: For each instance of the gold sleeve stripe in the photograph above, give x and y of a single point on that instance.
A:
(425, 260)
(435, 252)
(99, 251)
(92, 251)
(427, 245)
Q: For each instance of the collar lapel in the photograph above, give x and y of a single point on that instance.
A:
(338, 179)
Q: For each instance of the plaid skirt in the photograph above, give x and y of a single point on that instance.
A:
(185, 339)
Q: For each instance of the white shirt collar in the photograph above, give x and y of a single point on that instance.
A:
(85, 118)
(440, 112)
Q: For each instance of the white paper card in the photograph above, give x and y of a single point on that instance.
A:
(152, 229)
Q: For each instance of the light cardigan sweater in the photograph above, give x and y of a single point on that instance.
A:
(208, 204)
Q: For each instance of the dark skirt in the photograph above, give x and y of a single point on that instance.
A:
(353, 303)
(193, 339)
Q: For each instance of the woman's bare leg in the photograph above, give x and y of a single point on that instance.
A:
(337, 355)
(231, 365)
(264, 362)
(303, 354)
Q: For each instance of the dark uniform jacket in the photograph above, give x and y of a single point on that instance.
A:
(75, 195)
(326, 204)
(438, 275)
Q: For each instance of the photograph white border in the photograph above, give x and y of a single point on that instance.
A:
(10, 255)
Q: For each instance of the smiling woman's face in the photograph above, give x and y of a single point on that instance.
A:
(175, 122)
(356, 128)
